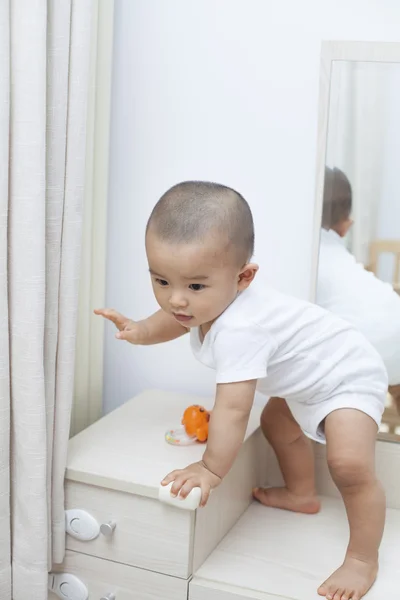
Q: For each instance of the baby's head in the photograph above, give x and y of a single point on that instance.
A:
(199, 242)
(337, 202)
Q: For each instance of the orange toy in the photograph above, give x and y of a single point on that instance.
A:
(195, 421)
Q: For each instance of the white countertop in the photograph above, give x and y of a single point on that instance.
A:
(126, 450)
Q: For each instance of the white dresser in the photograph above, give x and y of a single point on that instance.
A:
(146, 549)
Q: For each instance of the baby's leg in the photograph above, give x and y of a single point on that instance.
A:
(350, 436)
(296, 459)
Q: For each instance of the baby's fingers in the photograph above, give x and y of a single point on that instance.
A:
(125, 334)
(205, 494)
(187, 488)
(177, 486)
(112, 315)
(190, 484)
(170, 477)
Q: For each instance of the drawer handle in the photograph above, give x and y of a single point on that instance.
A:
(107, 529)
(109, 597)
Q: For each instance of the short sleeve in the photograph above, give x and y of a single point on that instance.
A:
(242, 354)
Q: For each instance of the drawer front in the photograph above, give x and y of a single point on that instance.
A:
(231, 499)
(103, 578)
(148, 534)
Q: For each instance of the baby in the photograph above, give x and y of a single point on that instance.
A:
(325, 382)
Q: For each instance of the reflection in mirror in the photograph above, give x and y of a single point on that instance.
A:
(359, 257)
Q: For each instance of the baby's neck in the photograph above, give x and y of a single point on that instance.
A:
(204, 329)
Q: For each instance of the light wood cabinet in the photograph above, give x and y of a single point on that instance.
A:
(113, 474)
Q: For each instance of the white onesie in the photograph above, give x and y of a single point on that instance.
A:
(297, 351)
(352, 293)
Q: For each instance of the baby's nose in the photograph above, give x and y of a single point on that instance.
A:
(178, 301)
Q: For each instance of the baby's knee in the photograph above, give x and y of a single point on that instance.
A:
(350, 471)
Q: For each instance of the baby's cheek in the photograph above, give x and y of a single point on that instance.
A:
(162, 302)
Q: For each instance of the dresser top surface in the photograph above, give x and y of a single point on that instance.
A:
(126, 449)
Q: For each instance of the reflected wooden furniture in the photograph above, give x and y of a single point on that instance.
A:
(391, 420)
(391, 417)
(394, 391)
(379, 247)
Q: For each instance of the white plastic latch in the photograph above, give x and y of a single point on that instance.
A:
(81, 525)
(67, 587)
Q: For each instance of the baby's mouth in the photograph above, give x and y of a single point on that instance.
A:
(182, 318)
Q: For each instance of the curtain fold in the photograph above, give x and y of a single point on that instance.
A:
(81, 20)
(5, 408)
(44, 64)
(26, 293)
(58, 44)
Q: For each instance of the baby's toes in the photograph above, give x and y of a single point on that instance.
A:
(333, 593)
(327, 590)
(323, 590)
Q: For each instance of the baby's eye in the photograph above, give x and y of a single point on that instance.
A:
(196, 287)
(162, 282)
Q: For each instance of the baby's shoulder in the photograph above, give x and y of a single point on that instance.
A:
(261, 302)
(273, 311)
(251, 309)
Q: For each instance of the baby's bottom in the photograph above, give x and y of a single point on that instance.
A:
(350, 438)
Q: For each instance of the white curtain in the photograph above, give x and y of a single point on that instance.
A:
(357, 133)
(44, 63)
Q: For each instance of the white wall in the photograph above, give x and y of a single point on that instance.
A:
(224, 90)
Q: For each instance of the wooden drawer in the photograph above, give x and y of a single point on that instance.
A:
(103, 577)
(148, 534)
(230, 500)
(113, 473)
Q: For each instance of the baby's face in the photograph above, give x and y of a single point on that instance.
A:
(195, 283)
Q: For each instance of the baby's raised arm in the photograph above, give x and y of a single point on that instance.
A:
(156, 329)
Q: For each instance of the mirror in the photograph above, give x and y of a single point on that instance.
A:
(359, 253)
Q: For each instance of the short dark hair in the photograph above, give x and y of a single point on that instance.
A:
(338, 198)
(192, 210)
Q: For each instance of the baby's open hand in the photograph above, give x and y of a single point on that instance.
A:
(195, 475)
(128, 329)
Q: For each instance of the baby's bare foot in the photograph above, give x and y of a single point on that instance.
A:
(282, 498)
(351, 582)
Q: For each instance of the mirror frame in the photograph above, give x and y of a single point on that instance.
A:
(378, 52)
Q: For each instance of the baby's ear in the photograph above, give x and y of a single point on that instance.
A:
(343, 227)
(246, 276)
